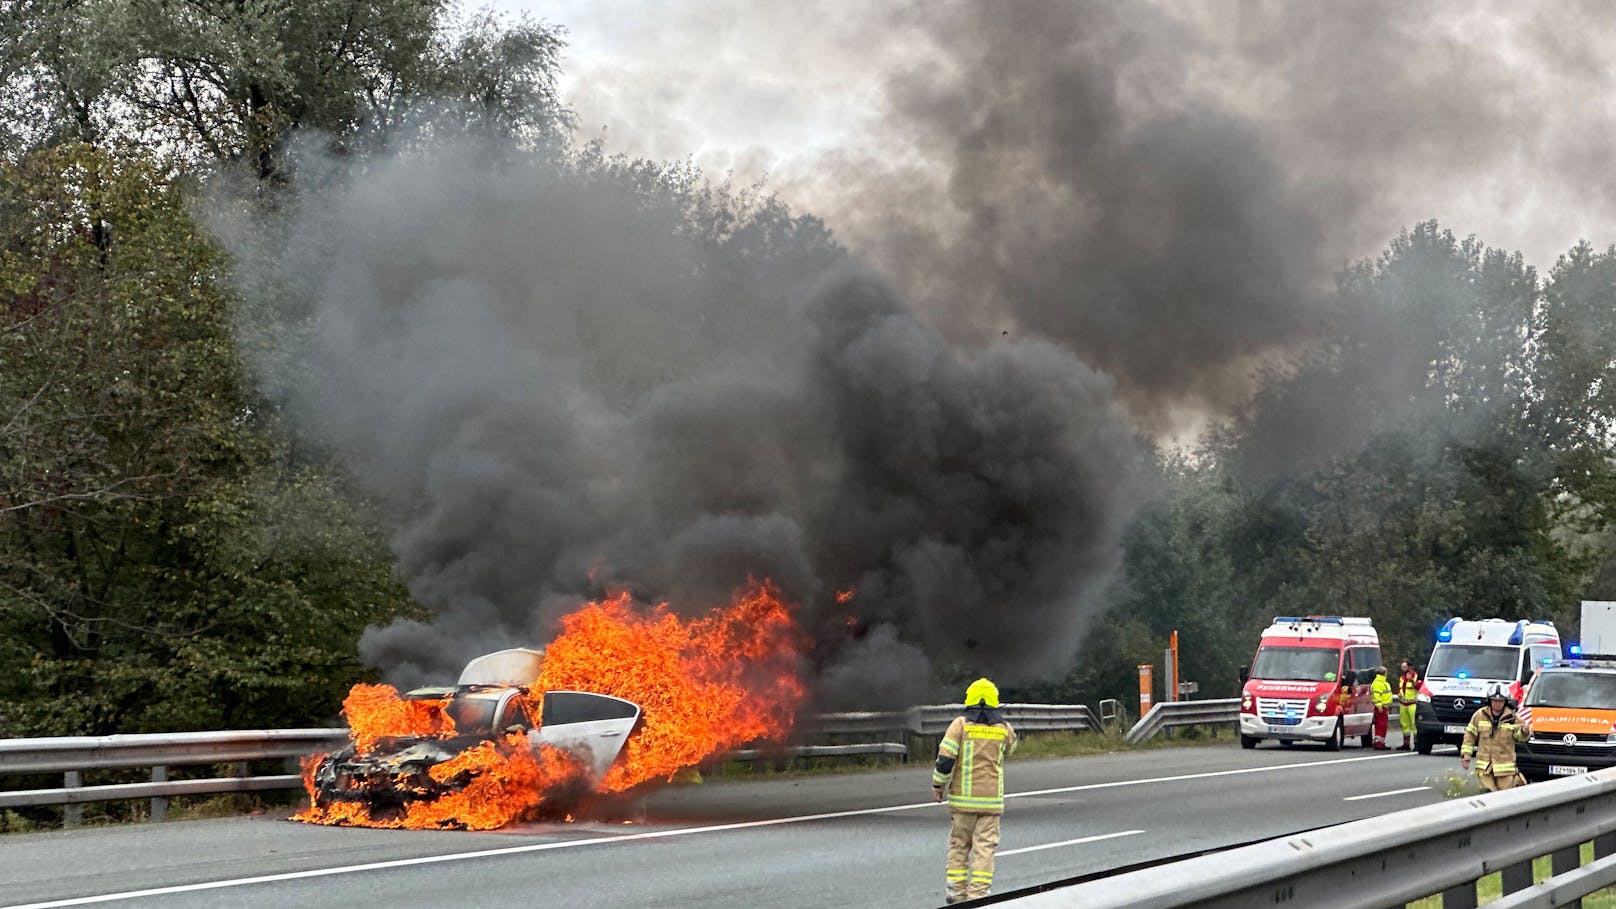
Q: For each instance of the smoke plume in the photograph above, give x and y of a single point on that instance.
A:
(1165, 188)
(561, 384)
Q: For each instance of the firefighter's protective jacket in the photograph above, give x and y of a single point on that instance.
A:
(1380, 692)
(1492, 742)
(970, 762)
(1408, 688)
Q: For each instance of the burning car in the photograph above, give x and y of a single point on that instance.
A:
(456, 735)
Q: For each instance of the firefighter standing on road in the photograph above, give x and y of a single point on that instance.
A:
(1380, 695)
(1491, 738)
(970, 774)
(1408, 689)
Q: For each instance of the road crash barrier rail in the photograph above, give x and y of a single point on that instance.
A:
(1172, 714)
(933, 720)
(71, 756)
(1434, 850)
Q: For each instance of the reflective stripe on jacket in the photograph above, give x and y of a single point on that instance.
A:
(1380, 692)
(1408, 687)
(970, 762)
(1493, 748)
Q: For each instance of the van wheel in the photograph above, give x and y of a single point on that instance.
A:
(1423, 744)
(1248, 742)
(1334, 743)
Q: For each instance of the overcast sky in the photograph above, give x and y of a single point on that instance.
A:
(775, 89)
(1236, 154)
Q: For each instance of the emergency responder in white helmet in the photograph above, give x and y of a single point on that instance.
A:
(1491, 738)
(970, 774)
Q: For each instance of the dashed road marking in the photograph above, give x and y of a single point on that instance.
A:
(1381, 795)
(1078, 841)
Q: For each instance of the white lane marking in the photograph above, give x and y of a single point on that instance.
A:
(1084, 839)
(1381, 795)
(647, 835)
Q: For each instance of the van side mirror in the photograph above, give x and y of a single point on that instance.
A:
(1245, 674)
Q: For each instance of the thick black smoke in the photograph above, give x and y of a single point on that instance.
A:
(561, 384)
(1168, 188)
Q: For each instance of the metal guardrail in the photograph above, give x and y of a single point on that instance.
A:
(934, 719)
(1390, 860)
(104, 752)
(1172, 714)
(753, 754)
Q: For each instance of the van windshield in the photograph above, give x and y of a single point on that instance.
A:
(1473, 661)
(1297, 664)
(1592, 690)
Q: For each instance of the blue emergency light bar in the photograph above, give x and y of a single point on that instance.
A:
(1315, 619)
(1446, 634)
(1520, 632)
(1575, 650)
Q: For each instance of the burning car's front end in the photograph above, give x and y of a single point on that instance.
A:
(394, 772)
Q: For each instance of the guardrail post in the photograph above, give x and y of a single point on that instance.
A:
(73, 814)
(1604, 844)
(1460, 897)
(1566, 859)
(1516, 877)
(159, 803)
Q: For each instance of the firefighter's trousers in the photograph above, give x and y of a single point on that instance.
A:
(972, 838)
(1405, 718)
(1380, 727)
(1494, 782)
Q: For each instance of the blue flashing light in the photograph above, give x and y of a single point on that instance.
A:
(1520, 632)
(1463, 674)
(1284, 619)
(1446, 634)
(1548, 661)
(1575, 650)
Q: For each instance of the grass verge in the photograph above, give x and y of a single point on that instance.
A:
(1491, 887)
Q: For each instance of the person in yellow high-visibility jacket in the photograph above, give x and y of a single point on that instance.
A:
(970, 775)
(1380, 695)
(1494, 754)
(1408, 689)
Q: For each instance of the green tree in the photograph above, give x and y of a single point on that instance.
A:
(234, 80)
(167, 558)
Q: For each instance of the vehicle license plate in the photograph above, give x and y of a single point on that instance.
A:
(1563, 770)
(1281, 730)
(1454, 730)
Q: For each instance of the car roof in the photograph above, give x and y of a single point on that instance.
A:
(1580, 666)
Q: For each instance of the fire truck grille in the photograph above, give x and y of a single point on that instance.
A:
(1281, 712)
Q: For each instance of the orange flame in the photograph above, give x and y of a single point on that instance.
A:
(376, 711)
(508, 781)
(843, 596)
(704, 686)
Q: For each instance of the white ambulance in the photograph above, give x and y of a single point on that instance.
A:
(1309, 682)
(1472, 656)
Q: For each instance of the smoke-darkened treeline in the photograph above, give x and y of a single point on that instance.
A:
(329, 352)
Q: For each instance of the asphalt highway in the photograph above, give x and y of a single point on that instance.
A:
(861, 839)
